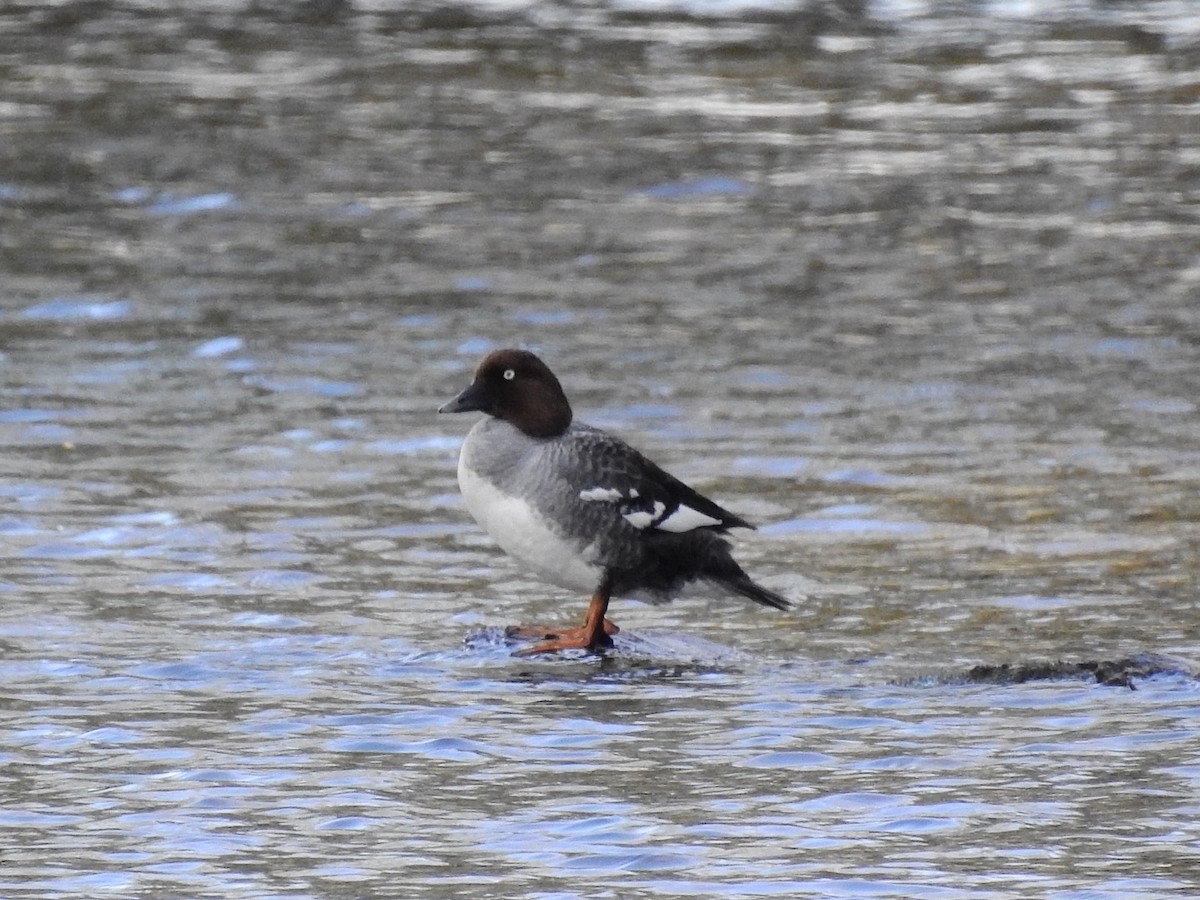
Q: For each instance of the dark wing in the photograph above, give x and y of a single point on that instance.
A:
(644, 495)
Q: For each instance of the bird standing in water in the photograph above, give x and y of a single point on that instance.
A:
(583, 509)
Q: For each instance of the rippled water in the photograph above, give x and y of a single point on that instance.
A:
(915, 288)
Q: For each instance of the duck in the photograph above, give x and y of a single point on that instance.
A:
(582, 509)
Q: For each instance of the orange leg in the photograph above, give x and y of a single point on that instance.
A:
(591, 635)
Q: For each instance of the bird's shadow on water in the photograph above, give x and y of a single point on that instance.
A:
(667, 655)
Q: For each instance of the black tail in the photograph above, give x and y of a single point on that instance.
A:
(757, 593)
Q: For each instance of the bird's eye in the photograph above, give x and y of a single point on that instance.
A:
(510, 374)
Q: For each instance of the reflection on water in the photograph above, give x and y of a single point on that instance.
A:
(911, 287)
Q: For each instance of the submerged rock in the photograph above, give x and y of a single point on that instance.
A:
(1113, 672)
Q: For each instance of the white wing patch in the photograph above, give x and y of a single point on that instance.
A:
(685, 519)
(602, 494)
(643, 518)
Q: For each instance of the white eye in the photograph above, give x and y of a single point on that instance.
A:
(509, 374)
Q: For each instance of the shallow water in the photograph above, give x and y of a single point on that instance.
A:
(914, 289)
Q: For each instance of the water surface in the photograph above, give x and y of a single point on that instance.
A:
(913, 288)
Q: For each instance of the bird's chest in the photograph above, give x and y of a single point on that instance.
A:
(524, 532)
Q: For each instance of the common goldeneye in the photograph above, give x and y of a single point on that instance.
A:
(582, 508)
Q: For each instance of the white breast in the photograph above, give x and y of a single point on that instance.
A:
(522, 533)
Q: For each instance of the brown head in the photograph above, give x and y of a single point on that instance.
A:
(516, 386)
